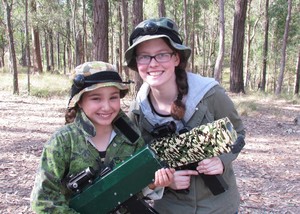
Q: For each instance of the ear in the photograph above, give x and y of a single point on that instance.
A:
(177, 59)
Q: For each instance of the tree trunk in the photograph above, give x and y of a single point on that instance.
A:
(220, 58)
(193, 39)
(73, 5)
(283, 52)
(248, 75)
(68, 41)
(185, 21)
(37, 57)
(124, 14)
(1, 54)
(137, 18)
(236, 62)
(79, 49)
(64, 59)
(48, 67)
(161, 8)
(84, 21)
(50, 33)
(58, 51)
(119, 53)
(265, 50)
(297, 82)
(204, 45)
(250, 37)
(13, 66)
(27, 49)
(100, 30)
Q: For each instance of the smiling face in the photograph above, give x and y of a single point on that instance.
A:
(155, 73)
(101, 105)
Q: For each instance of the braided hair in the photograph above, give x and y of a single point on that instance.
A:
(178, 107)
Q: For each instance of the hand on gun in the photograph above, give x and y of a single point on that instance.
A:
(182, 179)
(163, 178)
(211, 166)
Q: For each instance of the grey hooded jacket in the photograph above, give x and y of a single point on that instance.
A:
(205, 102)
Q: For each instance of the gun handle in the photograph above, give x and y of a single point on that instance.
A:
(215, 183)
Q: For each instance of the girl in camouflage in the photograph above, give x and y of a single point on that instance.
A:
(170, 93)
(89, 140)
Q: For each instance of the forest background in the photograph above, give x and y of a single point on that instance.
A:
(249, 45)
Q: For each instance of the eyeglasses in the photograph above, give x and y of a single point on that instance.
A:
(161, 58)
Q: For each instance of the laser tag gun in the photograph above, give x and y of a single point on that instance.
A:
(115, 188)
(184, 151)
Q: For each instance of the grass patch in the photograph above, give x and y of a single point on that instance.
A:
(44, 85)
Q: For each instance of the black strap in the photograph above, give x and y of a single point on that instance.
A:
(126, 129)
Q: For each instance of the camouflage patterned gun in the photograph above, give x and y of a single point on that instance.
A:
(184, 151)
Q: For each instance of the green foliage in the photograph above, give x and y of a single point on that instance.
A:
(58, 18)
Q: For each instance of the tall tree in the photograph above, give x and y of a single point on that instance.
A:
(7, 4)
(100, 30)
(250, 37)
(265, 49)
(137, 18)
(27, 47)
(84, 21)
(185, 22)
(37, 56)
(124, 15)
(237, 49)
(297, 81)
(161, 8)
(220, 58)
(51, 48)
(283, 51)
(46, 44)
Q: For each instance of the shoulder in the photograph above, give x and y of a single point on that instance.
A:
(63, 137)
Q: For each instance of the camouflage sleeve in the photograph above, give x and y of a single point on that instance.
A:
(47, 194)
(224, 107)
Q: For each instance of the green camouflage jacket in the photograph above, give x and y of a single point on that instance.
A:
(212, 105)
(70, 152)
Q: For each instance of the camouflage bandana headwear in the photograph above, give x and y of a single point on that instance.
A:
(93, 75)
(154, 29)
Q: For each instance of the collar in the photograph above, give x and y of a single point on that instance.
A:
(198, 87)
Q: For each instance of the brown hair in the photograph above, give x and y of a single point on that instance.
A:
(70, 114)
(178, 107)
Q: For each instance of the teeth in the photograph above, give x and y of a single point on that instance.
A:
(155, 73)
(104, 115)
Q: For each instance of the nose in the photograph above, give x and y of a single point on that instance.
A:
(153, 61)
(105, 105)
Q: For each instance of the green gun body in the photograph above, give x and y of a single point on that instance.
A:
(125, 180)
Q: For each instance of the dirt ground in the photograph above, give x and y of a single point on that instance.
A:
(267, 170)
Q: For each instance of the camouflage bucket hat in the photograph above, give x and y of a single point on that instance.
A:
(93, 75)
(154, 29)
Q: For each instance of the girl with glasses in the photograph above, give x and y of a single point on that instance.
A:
(171, 93)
